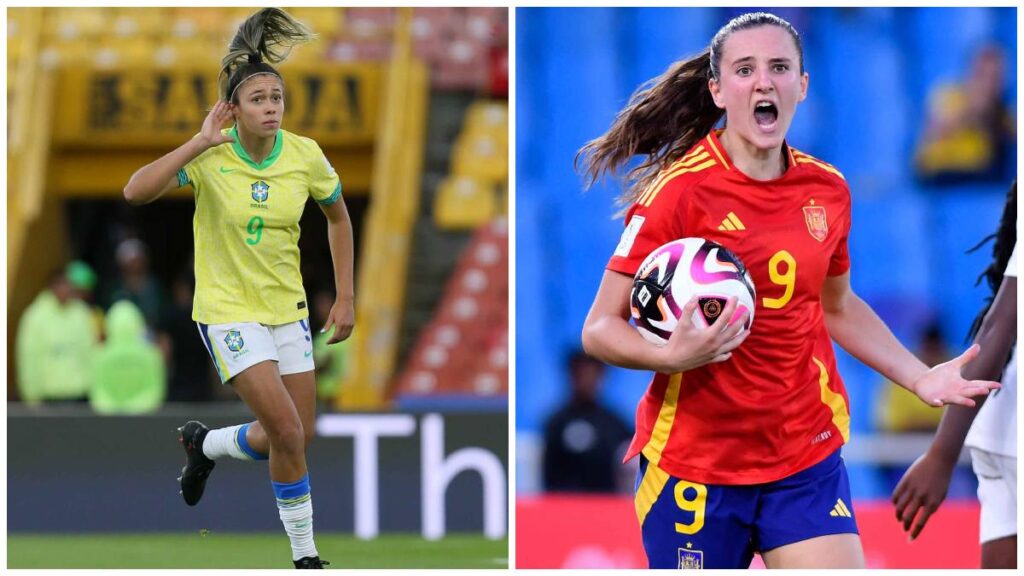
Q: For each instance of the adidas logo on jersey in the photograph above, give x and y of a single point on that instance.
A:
(840, 509)
(731, 223)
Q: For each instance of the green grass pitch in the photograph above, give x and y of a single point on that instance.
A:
(235, 550)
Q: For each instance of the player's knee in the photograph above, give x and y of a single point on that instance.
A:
(287, 437)
(308, 433)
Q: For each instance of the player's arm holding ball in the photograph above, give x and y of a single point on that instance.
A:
(161, 176)
(609, 337)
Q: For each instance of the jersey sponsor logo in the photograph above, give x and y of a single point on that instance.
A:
(840, 510)
(234, 340)
(629, 236)
(224, 170)
(817, 223)
(690, 559)
(731, 223)
(260, 191)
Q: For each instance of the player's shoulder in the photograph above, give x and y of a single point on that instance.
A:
(299, 142)
(818, 166)
(683, 175)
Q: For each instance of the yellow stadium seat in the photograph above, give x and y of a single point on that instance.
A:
(481, 155)
(209, 22)
(73, 23)
(124, 51)
(487, 115)
(463, 203)
(323, 21)
(152, 22)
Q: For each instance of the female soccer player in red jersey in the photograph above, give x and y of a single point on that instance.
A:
(740, 445)
(989, 429)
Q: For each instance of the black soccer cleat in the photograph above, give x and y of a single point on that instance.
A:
(310, 562)
(197, 466)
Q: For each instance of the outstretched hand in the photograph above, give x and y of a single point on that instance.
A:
(943, 384)
(342, 318)
(215, 120)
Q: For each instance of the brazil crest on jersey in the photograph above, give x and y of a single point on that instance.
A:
(777, 406)
(246, 228)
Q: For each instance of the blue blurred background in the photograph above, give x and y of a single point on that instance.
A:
(871, 73)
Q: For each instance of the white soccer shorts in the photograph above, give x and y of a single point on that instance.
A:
(235, 347)
(997, 492)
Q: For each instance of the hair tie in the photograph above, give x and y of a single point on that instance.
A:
(255, 59)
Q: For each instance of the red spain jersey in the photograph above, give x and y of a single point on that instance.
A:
(777, 406)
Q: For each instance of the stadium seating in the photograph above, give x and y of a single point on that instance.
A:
(464, 350)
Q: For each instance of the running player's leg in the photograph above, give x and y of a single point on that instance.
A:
(302, 389)
(263, 390)
(1000, 553)
(234, 348)
(997, 493)
(806, 520)
(831, 551)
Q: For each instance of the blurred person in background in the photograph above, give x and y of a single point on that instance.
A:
(135, 283)
(128, 371)
(189, 378)
(897, 409)
(970, 131)
(584, 441)
(251, 185)
(332, 360)
(83, 280)
(739, 446)
(54, 346)
(989, 429)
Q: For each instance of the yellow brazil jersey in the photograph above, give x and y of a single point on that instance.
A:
(246, 228)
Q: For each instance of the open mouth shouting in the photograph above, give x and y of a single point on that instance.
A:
(766, 115)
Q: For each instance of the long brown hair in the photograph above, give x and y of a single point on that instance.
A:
(667, 115)
(265, 37)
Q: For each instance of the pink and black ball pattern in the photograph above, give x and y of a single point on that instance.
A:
(727, 266)
(675, 272)
(651, 301)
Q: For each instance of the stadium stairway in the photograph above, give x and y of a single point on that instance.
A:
(434, 251)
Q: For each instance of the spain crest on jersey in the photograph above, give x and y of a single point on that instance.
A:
(260, 191)
(817, 223)
(691, 559)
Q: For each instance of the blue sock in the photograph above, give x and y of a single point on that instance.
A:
(243, 444)
(295, 507)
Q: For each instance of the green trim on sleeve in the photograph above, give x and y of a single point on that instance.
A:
(333, 197)
(182, 178)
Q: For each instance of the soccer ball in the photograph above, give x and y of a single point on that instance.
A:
(675, 272)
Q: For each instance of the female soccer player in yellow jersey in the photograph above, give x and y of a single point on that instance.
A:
(251, 183)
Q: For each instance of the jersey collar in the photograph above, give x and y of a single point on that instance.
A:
(270, 159)
(720, 154)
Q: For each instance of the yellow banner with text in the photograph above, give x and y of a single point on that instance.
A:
(336, 105)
